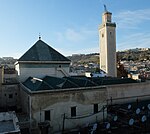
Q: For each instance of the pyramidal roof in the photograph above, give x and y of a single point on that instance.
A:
(41, 51)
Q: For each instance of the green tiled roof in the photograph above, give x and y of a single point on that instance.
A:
(40, 51)
(49, 82)
(35, 84)
(81, 81)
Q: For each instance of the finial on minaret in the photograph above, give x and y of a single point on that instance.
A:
(39, 36)
(105, 9)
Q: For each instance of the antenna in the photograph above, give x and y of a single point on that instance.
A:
(115, 118)
(148, 106)
(131, 122)
(144, 118)
(107, 125)
(138, 110)
(105, 9)
(39, 36)
(129, 106)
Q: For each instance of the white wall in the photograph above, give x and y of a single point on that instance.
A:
(40, 72)
(60, 102)
(57, 112)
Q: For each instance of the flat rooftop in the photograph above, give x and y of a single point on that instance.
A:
(9, 122)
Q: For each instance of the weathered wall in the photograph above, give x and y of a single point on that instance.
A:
(24, 99)
(10, 96)
(60, 103)
(128, 92)
(40, 70)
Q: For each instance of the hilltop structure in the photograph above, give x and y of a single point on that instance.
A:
(107, 36)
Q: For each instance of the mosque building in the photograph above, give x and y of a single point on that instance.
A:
(56, 102)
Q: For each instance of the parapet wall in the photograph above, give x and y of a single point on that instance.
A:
(123, 93)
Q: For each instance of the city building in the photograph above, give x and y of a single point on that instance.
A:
(107, 36)
(9, 89)
(41, 60)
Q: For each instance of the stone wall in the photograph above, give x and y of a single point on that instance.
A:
(128, 92)
(10, 96)
(59, 102)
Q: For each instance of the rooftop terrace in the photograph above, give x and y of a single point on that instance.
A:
(8, 123)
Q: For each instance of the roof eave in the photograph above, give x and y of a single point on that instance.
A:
(45, 62)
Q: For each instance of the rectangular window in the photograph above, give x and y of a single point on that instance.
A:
(10, 96)
(47, 115)
(95, 108)
(73, 111)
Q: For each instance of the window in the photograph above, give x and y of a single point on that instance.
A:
(47, 115)
(10, 96)
(102, 35)
(73, 111)
(95, 108)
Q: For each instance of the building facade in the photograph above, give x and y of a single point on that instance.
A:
(9, 90)
(74, 108)
(41, 60)
(107, 36)
(64, 110)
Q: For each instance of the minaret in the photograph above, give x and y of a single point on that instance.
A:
(107, 36)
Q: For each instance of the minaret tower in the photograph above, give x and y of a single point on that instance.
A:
(107, 36)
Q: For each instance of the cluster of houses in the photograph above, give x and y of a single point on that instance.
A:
(139, 68)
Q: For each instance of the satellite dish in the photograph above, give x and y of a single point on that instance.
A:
(131, 121)
(115, 118)
(129, 106)
(138, 110)
(144, 118)
(108, 125)
(95, 126)
(148, 106)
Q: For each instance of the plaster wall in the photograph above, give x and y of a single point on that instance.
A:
(107, 35)
(10, 96)
(60, 103)
(123, 93)
(111, 51)
(40, 72)
(103, 49)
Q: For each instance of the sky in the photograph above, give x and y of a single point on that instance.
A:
(71, 26)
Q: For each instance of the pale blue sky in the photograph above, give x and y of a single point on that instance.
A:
(70, 26)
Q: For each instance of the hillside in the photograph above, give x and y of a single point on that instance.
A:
(139, 54)
(84, 58)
